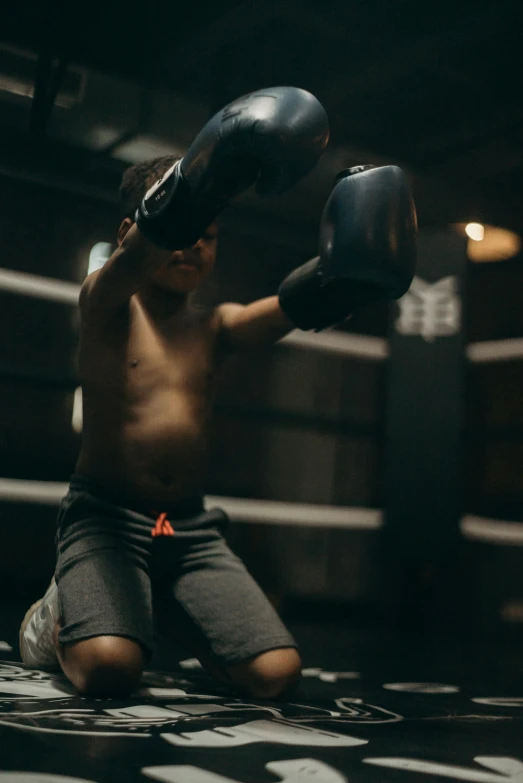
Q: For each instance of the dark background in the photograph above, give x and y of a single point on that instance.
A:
(435, 88)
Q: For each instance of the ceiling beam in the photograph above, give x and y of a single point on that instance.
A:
(48, 78)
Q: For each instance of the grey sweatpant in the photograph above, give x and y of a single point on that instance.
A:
(123, 570)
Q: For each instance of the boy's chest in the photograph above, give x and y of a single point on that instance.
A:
(177, 359)
(173, 352)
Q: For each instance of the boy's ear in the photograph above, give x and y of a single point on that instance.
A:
(125, 225)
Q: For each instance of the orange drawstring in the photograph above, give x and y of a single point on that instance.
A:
(162, 527)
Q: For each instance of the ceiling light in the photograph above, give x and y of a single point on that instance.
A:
(141, 148)
(475, 231)
(489, 243)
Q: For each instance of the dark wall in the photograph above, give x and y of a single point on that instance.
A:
(494, 410)
(49, 233)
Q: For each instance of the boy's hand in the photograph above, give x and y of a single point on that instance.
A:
(271, 137)
(367, 250)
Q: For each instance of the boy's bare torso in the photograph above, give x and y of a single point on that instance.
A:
(147, 384)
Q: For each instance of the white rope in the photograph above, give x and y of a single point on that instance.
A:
(492, 531)
(238, 509)
(271, 512)
(39, 287)
(356, 345)
(45, 493)
(495, 350)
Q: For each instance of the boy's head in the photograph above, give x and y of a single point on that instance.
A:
(183, 270)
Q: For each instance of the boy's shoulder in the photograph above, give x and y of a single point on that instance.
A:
(87, 285)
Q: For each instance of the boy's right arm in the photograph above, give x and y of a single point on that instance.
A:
(124, 273)
(270, 137)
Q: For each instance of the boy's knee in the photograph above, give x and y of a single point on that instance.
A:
(104, 666)
(270, 675)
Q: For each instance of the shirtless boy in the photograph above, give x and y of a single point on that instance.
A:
(136, 547)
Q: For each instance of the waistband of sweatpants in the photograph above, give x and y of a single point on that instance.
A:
(182, 509)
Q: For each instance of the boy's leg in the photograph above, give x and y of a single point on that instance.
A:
(95, 666)
(103, 628)
(102, 665)
(214, 608)
(104, 633)
(268, 675)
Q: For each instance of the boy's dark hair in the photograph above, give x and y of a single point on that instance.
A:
(137, 180)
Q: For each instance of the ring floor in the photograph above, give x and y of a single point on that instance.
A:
(373, 707)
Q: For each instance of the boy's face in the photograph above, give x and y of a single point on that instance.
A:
(185, 270)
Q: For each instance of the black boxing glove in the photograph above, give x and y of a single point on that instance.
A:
(271, 137)
(367, 249)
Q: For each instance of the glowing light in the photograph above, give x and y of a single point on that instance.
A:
(486, 243)
(499, 244)
(99, 254)
(141, 148)
(77, 418)
(475, 231)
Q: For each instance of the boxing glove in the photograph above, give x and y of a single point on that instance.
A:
(367, 249)
(270, 138)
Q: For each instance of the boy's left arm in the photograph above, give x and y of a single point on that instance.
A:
(256, 325)
(367, 253)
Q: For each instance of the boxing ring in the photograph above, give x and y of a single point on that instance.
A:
(360, 692)
(373, 483)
